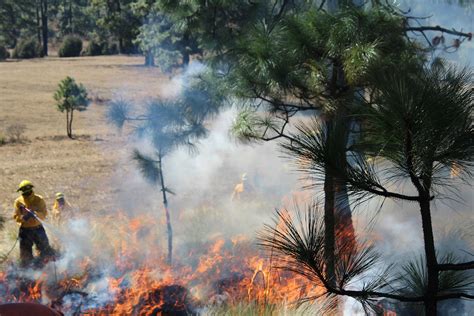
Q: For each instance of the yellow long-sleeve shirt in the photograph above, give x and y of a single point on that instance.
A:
(34, 203)
(58, 211)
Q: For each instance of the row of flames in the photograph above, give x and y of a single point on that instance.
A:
(127, 275)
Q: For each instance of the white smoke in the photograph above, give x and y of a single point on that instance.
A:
(203, 207)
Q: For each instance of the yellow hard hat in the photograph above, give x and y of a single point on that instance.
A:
(25, 184)
(59, 195)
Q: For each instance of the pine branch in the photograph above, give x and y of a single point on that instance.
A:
(456, 266)
(374, 294)
(148, 166)
(386, 193)
(321, 6)
(168, 190)
(439, 29)
(299, 242)
(281, 11)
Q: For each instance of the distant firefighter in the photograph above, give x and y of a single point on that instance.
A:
(30, 210)
(60, 206)
(239, 188)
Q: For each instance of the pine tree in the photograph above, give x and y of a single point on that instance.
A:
(71, 97)
(417, 127)
(314, 61)
(168, 125)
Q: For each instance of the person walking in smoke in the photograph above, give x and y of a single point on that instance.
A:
(239, 188)
(30, 208)
(59, 207)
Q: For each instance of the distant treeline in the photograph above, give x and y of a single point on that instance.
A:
(110, 26)
(169, 32)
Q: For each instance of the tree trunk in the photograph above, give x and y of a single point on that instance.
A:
(70, 17)
(186, 56)
(149, 59)
(334, 192)
(120, 38)
(11, 13)
(67, 123)
(337, 212)
(423, 188)
(329, 228)
(343, 216)
(169, 229)
(44, 25)
(430, 253)
(38, 21)
(70, 125)
(121, 45)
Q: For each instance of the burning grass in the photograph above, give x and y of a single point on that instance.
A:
(114, 261)
(114, 264)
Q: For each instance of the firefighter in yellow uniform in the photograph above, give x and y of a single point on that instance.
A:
(59, 207)
(30, 208)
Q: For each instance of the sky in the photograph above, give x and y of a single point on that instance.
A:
(449, 14)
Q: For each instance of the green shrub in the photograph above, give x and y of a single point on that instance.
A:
(3, 139)
(71, 47)
(4, 54)
(112, 49)
(96, 48)
(28, 48)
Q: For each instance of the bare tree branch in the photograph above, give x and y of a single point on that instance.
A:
(282, 106)
(439, 29)
(322, 5)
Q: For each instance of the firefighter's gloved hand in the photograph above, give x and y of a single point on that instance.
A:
(27, 216)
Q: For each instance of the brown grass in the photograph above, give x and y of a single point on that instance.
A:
(81, 168)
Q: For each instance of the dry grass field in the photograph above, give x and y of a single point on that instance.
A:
(80, 167)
